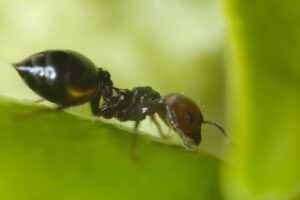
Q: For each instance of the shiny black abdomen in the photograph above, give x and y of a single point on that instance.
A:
(63, 77)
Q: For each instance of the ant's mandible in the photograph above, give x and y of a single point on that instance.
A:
(66, 78)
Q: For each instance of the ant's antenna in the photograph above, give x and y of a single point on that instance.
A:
(220, 128)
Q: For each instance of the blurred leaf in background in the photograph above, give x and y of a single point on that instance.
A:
(264, 99)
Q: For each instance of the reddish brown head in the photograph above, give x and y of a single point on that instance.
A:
(182, 114)
(186, 114)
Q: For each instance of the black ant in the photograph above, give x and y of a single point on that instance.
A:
(177, 111)
(66, 78)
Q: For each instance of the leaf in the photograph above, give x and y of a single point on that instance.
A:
(266, 44)
(62, 156)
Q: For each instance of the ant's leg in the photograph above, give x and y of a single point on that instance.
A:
(154, 106)
(95, 103)
(153, 119)
(107, 112)
(105, 89)
(106, 86)
(39, 113)
(170, 129)
(174, 124)
(133, 142)
(39, 100)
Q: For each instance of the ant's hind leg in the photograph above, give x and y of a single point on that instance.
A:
(39, 100)
(133, 142)
(39, 113)
(153, 119)
(174, 124)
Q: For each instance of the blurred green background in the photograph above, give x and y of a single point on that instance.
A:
(238, 60)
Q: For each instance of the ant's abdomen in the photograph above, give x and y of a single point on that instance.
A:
(61, 76)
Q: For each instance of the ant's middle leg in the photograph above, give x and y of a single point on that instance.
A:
(133, 142)
(39, 113)
(153, 119)
(39, 100)
(107, 112)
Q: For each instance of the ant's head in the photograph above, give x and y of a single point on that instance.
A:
(182, 114)
(186, 114)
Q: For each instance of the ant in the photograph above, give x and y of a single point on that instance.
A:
(177, 111)
(66, 78)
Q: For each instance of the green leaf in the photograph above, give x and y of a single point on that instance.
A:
(266, 48)
(63, 156)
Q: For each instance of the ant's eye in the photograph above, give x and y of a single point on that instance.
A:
(189, 116)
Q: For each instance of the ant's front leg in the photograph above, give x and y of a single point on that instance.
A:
(105, 90)
(107, 112)
(174, 124)
(39, 113)
(39, 100)
(133, 142)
